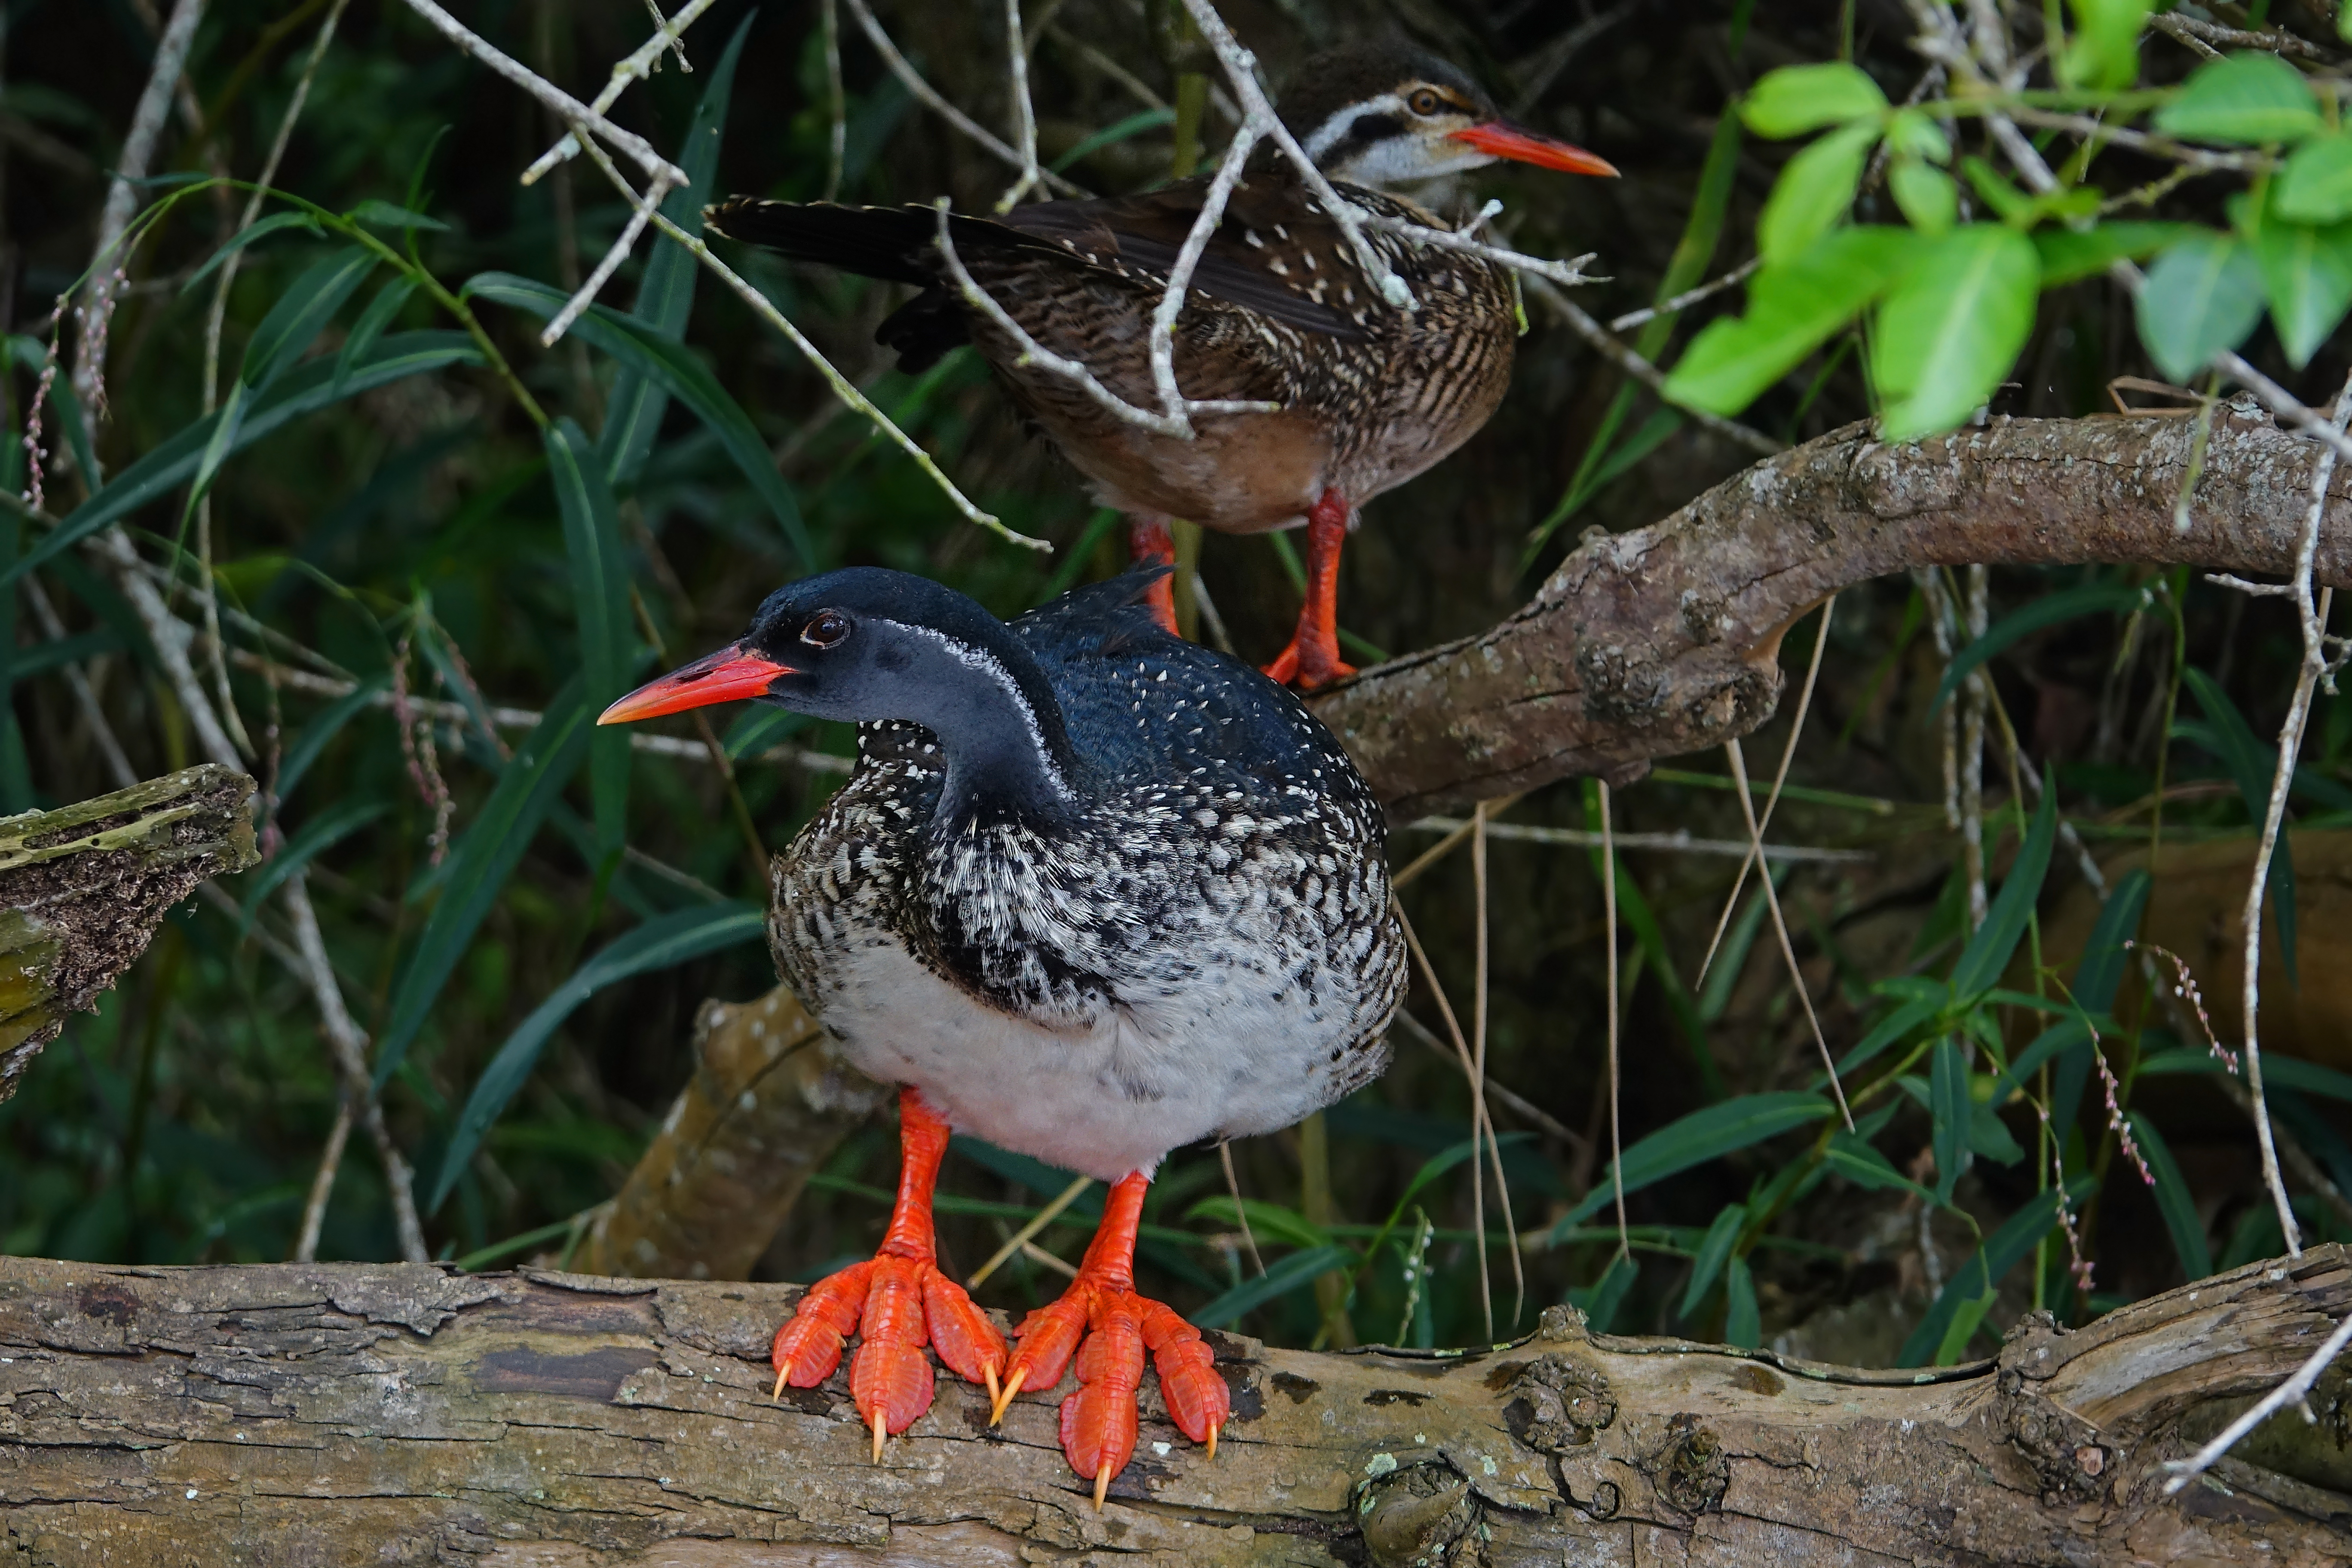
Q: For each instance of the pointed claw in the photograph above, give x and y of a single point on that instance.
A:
(993, 1391)
(1214, 1429)
(878, 1433)
(1102, 1486)
(997, 1402)
(783, 1373)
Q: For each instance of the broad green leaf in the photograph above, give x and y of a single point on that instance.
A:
(1714, 1251)
(376, 213)
(2104, 53)
(600, 602)
(1949, 1104)
(662, 943)
(1797, 98)
(1298, 1269)
(1888, 1030)
(302, 312)
(1966, 1315)
(1987, 1269)
(323, 729)
(484, 858)
(632, 413)
(1857, 1161)
(1950, 330)
(372, 322)
(1743, 1325)
(2202, 297)
(2102, 968)
(1986, 955)
(339, 822)
(1913, 133)
(1989, 1137)
(276, 223)
(2315, 186)
(2047, 611)
(2173, 1199)
(2252, 765)
(2069, 254)
(1926, 194)
(1703, 1135)
(165, 466)
(2307, 273)
(2059, 1037)
(669, 365)
(1994, 188)
(2245, 97)
(1793, 308)
(1813, 192)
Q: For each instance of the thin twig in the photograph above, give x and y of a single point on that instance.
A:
(1568, 274)
(1616, 1092)
(635, 68)
(1478, 1015)
(1738, 275)
(1519, 1105)
(1781, 926)
(1025, 116)
(930, 97)
(836, 102)
(118, 765)
(1972, 733)
(1679, 841)
(1241, 1212)
(2291, 1392)
(1037, 1221)
(322, 1185)
(1617, 354)
(1748, 852)
(1478, 1108)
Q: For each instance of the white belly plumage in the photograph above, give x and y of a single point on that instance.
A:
(1109, 1095)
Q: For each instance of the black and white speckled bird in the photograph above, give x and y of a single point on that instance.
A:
(1092, 893)
(1277, 313)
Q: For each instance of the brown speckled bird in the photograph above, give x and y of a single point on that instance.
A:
(1278, 312)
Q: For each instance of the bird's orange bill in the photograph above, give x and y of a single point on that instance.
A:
(1502, 139)
(729, 675)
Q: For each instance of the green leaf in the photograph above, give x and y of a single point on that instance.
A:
(2069, 256)
(2047, 611)
(600, 601)
(1813, 192)
(1647, 935)
(485, 856)
(1994, 189)
(1793, 308)
(330, 827)
(323, 729)
(1297, 1270)
(2290, 1072)
(1986, 955)
(1598, 1301)
(276, 223)
(1913, 134)
(1966, 1314)
(2173, 1199)
(2315, 186)
(372, 322)
(1989, 1137)
(1794, 100)
(1703, 1135)
(1926, 194)
(2252, 765)
(1865, 1167)
(2102, 968)
(379, 214)
(1985, 1269)
(302, 312)
(1947, 1103)
(1743, 1325)
(1273, 1222)
(2247, 97)
(1135, 124)
(2202, 297)
(670, 367)
(662, 943)
(632, 413)
(2104, 53)
(1953, 327)
(1888, 1030)
(2307, 274)
(1714, 1251)
(171, 461)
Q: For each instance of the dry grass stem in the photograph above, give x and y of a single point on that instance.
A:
(1781, 929)
(1677, 842)
(1616, 1093)
(1241, 1211)
(1028, 1232)
(1483, 1120)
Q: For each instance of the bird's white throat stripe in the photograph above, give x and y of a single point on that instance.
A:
(974, 658)
(1328, 135)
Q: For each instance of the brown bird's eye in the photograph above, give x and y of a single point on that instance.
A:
(1424, 101)
(826, 628)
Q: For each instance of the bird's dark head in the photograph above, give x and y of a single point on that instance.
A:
(1386, 113)
(866, 644)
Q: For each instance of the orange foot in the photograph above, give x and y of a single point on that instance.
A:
(1101, 1307)
(1313, 660)
(1150, 543)
(899, 1299)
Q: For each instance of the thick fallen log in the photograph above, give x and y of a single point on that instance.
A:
(1665, 639)
(353, 1413)
(83, 888)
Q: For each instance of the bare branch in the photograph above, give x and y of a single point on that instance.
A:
(1739, 274)
(1677, 842)
(1634, 364)
(929, 95)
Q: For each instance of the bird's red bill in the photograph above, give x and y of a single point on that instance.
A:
(729, 675)
(1501, 139)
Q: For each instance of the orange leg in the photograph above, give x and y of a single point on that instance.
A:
(1117, 1326)
(1150, 543)
(902, 1299)
(1313, 660)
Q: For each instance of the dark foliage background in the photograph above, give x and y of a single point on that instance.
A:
(184, 1123)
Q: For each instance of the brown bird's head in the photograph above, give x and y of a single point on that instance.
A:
(1385, 114)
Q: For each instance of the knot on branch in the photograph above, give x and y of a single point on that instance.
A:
(1558, 1404)
(1691, 1471)
(1419, 1514)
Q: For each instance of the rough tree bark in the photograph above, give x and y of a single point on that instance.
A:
(83, 888)
(1665, 639)
(401, 1414)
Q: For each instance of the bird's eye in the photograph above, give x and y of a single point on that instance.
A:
(1424, 101)
(826, 628)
